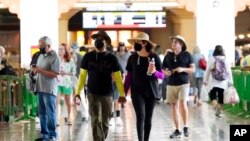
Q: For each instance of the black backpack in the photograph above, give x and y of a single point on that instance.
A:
(33, 62)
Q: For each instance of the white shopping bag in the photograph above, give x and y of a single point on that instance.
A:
(204, 93)
(231, 96)
(82, 105)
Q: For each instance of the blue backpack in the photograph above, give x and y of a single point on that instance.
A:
(219, 72)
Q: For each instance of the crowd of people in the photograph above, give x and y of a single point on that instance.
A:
(99, 80)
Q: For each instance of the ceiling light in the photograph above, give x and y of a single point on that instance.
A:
(241, 36)
(2, 6)
(136, 6)
(248, 35)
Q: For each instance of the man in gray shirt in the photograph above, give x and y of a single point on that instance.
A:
(47, 69)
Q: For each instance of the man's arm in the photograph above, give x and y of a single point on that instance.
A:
(50, 74)
(190, 69)
(119, 84)
(81, 81)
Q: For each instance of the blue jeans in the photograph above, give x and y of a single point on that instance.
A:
(47, 114)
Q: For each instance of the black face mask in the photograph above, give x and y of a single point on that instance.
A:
(148, 48)
(99, 43)
(42, 50)
(137, 47)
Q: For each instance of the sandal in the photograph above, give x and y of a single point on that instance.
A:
(69, 123)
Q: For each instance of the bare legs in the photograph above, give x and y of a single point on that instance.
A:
(180, 109)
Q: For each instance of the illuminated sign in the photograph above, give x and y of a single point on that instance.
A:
(119, 20)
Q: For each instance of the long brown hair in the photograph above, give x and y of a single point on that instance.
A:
(67, 55)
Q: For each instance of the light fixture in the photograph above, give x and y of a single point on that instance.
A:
(2, 6)
(128, 3)
(248, 35)
(241, 36)
(136, 6)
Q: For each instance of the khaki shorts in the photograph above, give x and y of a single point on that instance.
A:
(175, 93)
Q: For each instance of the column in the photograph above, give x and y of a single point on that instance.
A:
(37, 18)
(63, 29)
(216, 26)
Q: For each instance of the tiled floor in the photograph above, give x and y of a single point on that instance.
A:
(203, 124)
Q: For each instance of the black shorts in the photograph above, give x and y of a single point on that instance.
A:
(217, 94)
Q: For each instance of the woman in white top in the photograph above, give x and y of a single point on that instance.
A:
(65, 83)
(217, 87)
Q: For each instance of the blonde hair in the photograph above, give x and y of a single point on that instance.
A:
(196, 50)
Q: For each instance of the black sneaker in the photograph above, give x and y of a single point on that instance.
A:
(175, 134)
(41, 139)
(186, 132)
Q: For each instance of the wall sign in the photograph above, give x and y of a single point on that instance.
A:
(120, 20)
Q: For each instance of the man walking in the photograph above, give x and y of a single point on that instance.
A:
(99, 65)
(178, 65)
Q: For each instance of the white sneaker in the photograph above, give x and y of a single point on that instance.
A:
(37, 120)
(118, 121)
(112, 122)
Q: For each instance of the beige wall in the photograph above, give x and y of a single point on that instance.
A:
(242, 22)
(183, 23)
(63, 28)
(161, 36)
(188, 31)
(66, 36)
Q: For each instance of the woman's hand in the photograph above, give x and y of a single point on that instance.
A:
(62, 73)
(151, 68)
(167, 72)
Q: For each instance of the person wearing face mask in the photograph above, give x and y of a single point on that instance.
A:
(177, 66)
(99, 66)
(142, 77)
(47, 68)
(5, 67)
